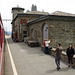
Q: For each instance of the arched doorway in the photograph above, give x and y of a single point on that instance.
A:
(35, 35)
(32, 34)
(45, 31)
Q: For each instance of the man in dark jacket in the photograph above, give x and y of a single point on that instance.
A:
(58, 53)
(70, 53)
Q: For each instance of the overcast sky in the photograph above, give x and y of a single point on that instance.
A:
(46, 5)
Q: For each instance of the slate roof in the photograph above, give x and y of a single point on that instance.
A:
(18, 8)
(44, 15)
(60, 13)
(37, 12)
(54, 17)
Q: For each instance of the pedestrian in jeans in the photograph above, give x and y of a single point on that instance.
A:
(46, 46)
(58, 53)
(70, 53)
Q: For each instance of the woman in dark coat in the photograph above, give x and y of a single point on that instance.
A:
(70, 53)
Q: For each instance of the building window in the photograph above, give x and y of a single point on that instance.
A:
(24, 32)
(23, 21)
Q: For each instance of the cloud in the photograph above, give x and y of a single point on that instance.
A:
(46, 5)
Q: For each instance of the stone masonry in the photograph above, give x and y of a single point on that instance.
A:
(58, 31)
(61, 28)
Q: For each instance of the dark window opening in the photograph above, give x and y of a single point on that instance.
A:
(24, 32)
(24, 36)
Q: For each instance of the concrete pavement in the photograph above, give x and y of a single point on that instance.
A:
(32, 61)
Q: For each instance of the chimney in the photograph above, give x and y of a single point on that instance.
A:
(34, 8)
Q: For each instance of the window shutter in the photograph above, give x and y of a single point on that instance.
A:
(21, 21)
(25, 21)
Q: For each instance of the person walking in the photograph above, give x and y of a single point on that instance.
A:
(58, 53)
(70, 53)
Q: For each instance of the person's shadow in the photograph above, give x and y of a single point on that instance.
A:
(55, 70)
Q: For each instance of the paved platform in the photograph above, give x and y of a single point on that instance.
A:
(32, 61)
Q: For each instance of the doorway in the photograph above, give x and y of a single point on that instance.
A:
(45, 32)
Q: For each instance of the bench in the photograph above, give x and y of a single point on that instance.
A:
(33, 43)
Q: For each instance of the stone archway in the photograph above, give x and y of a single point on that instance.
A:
(45, 31)
(35, 33)
(32, 34)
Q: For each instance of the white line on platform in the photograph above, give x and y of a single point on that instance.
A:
(11, 59)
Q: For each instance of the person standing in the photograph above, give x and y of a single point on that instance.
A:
(58, 53)
(24, 39)
(70, 53)
(46, 46)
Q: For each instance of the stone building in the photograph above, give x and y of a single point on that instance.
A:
(20, 20)
(58, 26)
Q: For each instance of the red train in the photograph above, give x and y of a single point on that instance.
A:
(1, 46)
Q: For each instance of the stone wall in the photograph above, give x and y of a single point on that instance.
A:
(62, 31)
(63, 56)
(58, 31)
(38, 31)
(17, 22)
